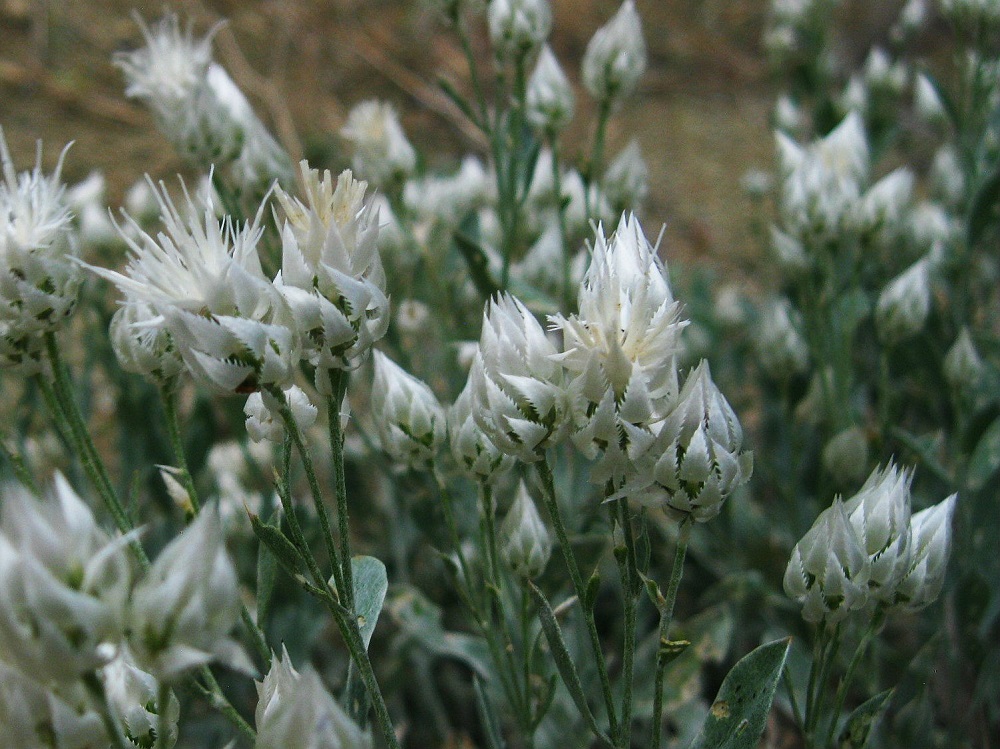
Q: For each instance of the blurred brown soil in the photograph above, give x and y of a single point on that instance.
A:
(701, 115)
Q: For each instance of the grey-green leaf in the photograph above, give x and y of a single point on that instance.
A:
(370, 586)
(737, 717)
(863, 719)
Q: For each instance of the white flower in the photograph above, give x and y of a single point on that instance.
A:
(142, 345)
(382, 154)
(133, 695)
(697, 458)
(615, 58)
(626, 180)
(39, 282)
(549, 99)
(331, 273)
(947, 179)
(884, 208)
(446, 200)
(263, 412)
(410, 420)
(518, 398)
(787, 114)
(930, 532)
(880, 515)
(783, 351)
(476, 456)
(525, 543)
(518, 26)
(883, 76)
(904, 304)
(928, 102)
(620, 348)
(203, 278)
(32, 717)
(828, 570)
(963, 367)
(64, 583)
(183, 609)
(296, 710)
(789, 253)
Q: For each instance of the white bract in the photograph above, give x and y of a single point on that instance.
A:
(39, 282)
(828, 571)
(382, 153)
(626, 180)
(930, 532)
(549, 98)
(64, 583)
(697, 459)
(295, 711)
(185, 606)
(263, 412)
(133, 694)
(525, 543)
(518, 398)
(615, 58)
(331, 274)
(203, 278)
(409, 419)
(475, 454)
(142, 344)
(518, 26)
(903, 305)
(620, 349)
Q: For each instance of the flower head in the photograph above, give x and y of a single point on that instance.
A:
(525, 543)
(382, 153)
(518, 26)
(903, 305)
(616, 56)
(473, 451)
(930, 532)
(263, 412)
(409, 418)
(133, 695)
(550, 97)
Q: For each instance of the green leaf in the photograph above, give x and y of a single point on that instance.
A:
(862, 720)
(449, 90)
(277, 543)
(487, 716)
(563, 660)
(985, 459)
(590, 594)
(737, 717)
(370, 586)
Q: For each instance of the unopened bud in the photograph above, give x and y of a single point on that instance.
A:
(525, 542)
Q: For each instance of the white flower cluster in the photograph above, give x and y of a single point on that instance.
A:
(75, 610)
(868, 553)
(39, 282)
(198, 107)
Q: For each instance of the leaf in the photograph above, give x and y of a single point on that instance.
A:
(487, 716)
(985, 459)
(449, 90)
(561, 656)
(862, 720)
(277, 543)
(983, 211)
(737, 717)
(370, 586)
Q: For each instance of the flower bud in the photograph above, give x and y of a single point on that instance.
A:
(525, 543)
(928, 102)
(845, 457)
(947, 179)
(263, 412)
(885, 206)
(63, 581)
(550, 97)
(783, 351)
(626, 181)
(789, 253)
(930, 532)
(407, 414)
(697, 458)
(382, 153)
(296, 710)
(133, 695)
(903, 305)
(472, 450)
(616, 56)
(518, 26)
(828, 570)
(182, 611)
(963, 367)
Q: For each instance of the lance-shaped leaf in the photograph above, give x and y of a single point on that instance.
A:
(863, 719)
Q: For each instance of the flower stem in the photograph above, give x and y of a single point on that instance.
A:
(845, 683)
(549, 495)
(173, 429)
(627, 571)
(338, 385)
(666, 619)
(96, 689)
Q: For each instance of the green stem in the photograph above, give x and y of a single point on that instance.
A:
(627, 572)
(597, 155)
(563, 233)
(477, 87)
(526, 718)
(580, 588)
(95, 686)
(162, 726)
(845, 684)
(338, 385)
(21, 472)
(666, 619)
(220, 702)
(173, 429)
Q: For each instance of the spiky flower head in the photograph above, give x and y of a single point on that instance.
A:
(331, 274)
(143, 345)
(382, 154)
(620, 348)
(517, 27)
(133, 696)
(525, 543)
(477, 457)
(263, 412)
(64, 583)
(549, 98)
(295, 710)
(203, 278)
(904, 304)
(615, 58)
(39, 282)
(410, 421)
(930, 533)
(518, 397)
(183, 609)
(828, 571)
(697, 459)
